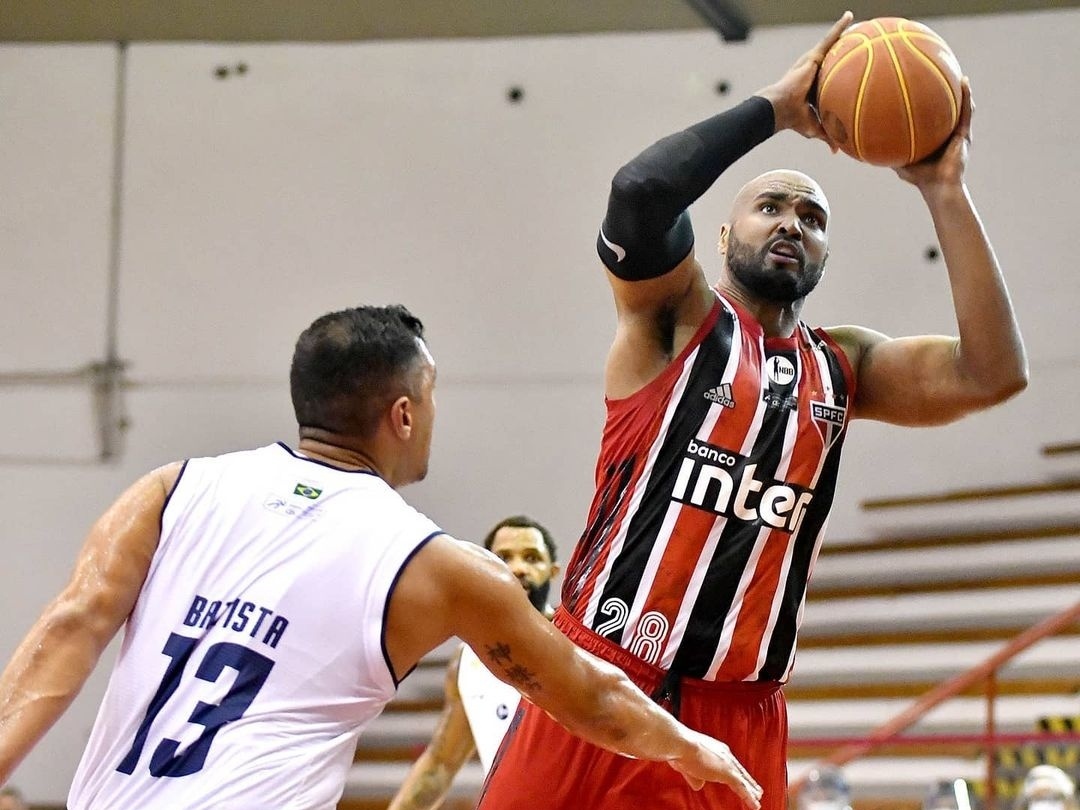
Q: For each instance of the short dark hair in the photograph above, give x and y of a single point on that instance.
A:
(349, 365)
(521, 522)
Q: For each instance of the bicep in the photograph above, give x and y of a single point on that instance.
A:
(522, 648)
(912, 381)
(462, 590)
(112, 565)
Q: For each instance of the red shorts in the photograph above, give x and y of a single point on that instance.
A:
(541, 765)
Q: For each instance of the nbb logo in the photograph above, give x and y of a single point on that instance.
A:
(721, 482)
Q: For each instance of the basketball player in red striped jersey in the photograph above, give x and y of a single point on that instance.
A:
(726, 415)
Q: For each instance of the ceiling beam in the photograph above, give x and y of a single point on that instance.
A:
(725, 17)
(361, 20)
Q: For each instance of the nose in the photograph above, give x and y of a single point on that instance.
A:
(790, 226)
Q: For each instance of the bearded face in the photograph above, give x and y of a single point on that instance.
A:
(779, 271)
(538, 594)
(528, 557)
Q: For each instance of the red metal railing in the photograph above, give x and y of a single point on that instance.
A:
(890, 731)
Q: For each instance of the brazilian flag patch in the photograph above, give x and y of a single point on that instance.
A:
(307, 491)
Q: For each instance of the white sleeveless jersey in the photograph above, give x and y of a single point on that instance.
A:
(255, 653)
(488, 702)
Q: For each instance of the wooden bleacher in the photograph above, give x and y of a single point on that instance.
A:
(888, 619)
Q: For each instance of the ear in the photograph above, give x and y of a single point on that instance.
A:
(401, 418)
(722, 244)
(555, 569)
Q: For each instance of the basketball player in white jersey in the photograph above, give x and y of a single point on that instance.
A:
(478, 707)
(272, 600)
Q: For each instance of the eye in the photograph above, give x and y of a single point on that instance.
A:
(768, 208)
(813, 219)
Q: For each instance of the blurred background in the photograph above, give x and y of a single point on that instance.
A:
(185, 186)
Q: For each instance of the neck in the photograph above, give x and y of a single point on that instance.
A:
(338, 451)
(776, 319)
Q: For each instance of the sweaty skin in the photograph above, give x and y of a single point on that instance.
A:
(449, 588)
(523, 551)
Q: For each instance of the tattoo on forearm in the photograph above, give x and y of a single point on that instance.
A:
(522, 677)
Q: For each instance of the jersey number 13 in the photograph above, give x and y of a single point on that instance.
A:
(252, 671)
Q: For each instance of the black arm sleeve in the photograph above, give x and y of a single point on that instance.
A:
(647, 230)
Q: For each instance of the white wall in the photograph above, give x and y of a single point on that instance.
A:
(331, 175)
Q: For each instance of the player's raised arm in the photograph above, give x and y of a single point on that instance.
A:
(646, 241)
(56, 657)
(455, 588)
(930, 380)
(451, 745)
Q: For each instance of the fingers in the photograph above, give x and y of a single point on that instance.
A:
(743, 784)
(967, 109)
(695, 783)
(750, 797)
(817, 130)
(714, 762)
(838, 27)
(737, 779)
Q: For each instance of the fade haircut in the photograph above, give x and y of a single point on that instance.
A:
(521, 522)
(348, 366)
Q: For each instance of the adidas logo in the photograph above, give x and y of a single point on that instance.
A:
(721, 395)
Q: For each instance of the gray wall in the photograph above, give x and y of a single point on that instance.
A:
(336, 174)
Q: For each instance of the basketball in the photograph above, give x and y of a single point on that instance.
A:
(888, 91)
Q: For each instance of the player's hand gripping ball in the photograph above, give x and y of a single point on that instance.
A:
(888, 92)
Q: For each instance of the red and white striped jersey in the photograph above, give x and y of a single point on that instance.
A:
(713, 490)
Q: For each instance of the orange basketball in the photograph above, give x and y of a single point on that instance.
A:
(889, 91)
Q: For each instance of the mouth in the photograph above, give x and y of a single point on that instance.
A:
(784, 252)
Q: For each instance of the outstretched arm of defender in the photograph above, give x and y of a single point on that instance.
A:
(931, 380)
(53, 662)
(460, 589)
(451, 745)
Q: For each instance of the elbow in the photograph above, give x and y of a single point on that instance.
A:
(996, 379)
(1015, 375)
(82, 618)
(640, 185)
(993, 393)
(628, 188)
(1018, 383)
(1008, 386)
